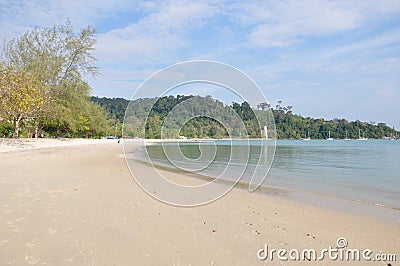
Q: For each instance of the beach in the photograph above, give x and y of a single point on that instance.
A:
(76, 203)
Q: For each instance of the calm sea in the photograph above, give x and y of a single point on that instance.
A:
(362, 171)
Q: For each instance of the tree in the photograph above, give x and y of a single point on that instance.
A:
(97, 123)
(263, 106)
(56, 54)
(21, 96)
(60, 59)
(278, 106)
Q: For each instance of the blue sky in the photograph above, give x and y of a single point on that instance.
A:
(326, 58)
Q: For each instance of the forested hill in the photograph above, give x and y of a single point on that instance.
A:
(114, 106)
(288, 125)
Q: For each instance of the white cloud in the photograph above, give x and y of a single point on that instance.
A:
(157, 37)
(19, 16)
(369, 44)
(284, 23)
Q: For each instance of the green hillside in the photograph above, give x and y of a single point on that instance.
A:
(288, 125)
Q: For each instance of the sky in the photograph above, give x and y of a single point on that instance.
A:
(325, 58)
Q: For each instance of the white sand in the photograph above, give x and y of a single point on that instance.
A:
(11, 145)
(80, 206)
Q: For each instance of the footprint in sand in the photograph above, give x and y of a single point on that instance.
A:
(31, 244)
(3, 242)
(51, 231)
(30, 259)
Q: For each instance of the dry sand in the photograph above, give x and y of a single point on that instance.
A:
(78, 205)
(12, 145)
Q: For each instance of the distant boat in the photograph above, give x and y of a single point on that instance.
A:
(359, 136)
(347, 138)
(329, 136)
(306, 136)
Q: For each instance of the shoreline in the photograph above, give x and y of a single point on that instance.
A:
(322, 200)
(80, 205)
(9, 145)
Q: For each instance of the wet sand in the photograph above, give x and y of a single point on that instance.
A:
(79, 205)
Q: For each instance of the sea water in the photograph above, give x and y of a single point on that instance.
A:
(362, 171)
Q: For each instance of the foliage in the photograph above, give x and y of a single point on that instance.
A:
(293, 126)
(21, 96)
(115, 107)
(6, 130)
(288, 125)
(194, 117)
(56, 55)
(59, 59)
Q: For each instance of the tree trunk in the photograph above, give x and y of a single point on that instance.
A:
(16, 127)
(36, 130)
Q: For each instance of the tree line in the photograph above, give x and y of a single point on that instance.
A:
(43, 91)
(147, 115)
(294, 126)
